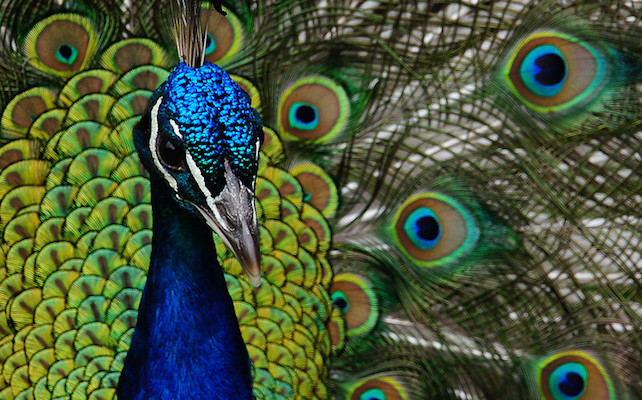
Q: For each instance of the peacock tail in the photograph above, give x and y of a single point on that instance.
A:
(448, 195)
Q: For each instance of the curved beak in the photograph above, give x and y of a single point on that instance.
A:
(232, 215)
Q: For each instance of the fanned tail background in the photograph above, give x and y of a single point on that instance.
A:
(449, 195)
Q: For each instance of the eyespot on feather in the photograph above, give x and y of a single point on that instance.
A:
(433, 229)
(224, 35)
(354, 295)
(61, 44)
(554, 72)
(319, 189)
(380, 388)
(573, 375)
(313, 108)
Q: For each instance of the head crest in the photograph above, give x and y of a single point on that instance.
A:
(189, 34)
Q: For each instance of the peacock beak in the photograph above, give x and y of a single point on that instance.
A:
(232, 215)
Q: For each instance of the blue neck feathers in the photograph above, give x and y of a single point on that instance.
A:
(187, 343)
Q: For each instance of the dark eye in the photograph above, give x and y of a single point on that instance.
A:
(172, 156)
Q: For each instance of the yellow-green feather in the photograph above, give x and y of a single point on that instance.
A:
(423, 110)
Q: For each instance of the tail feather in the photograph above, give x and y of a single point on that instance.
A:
(436, 221)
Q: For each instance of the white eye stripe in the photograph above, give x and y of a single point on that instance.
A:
(256, 156)
(153, 149)
(200, 181)
(257, 148)
(177, 131)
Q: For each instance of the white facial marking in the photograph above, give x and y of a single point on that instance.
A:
(258, 148)
(200, 181)
(177, 131)
(153, 149)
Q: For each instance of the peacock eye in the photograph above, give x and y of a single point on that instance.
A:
(319, 189)
(62, 44)
(339, 299)
(433, 229)
(224, 35)
(552, 72)
(66, 54)
(354, 295)
(381, 388)
(423, 228)
(171, 155)
(210, 44)
(303, 116)
(568, 381)
(373, 394)
(313, 108)
(574, 375)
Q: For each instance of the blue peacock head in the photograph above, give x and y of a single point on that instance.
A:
(201, 138)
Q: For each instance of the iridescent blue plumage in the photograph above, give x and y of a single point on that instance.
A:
(215, 118)
(199, 141)
(449, 198)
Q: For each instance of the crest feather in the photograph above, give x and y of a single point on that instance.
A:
(189, 34)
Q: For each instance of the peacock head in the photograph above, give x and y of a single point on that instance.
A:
(200, 138)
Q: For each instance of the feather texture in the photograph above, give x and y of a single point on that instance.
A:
(448, 195)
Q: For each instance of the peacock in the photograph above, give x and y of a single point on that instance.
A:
(443, 196)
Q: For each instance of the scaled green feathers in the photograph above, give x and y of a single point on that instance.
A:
(448, 194)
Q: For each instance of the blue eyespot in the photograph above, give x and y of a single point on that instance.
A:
(373, 394)
(303, 116)
(423, 228)
(66, 54)
(568, 381)
(544, 70)
(340, 300)
(210, 44)
(552, 72)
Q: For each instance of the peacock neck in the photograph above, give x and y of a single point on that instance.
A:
(187, 342)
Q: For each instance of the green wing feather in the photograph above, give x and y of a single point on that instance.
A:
(435, 222)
